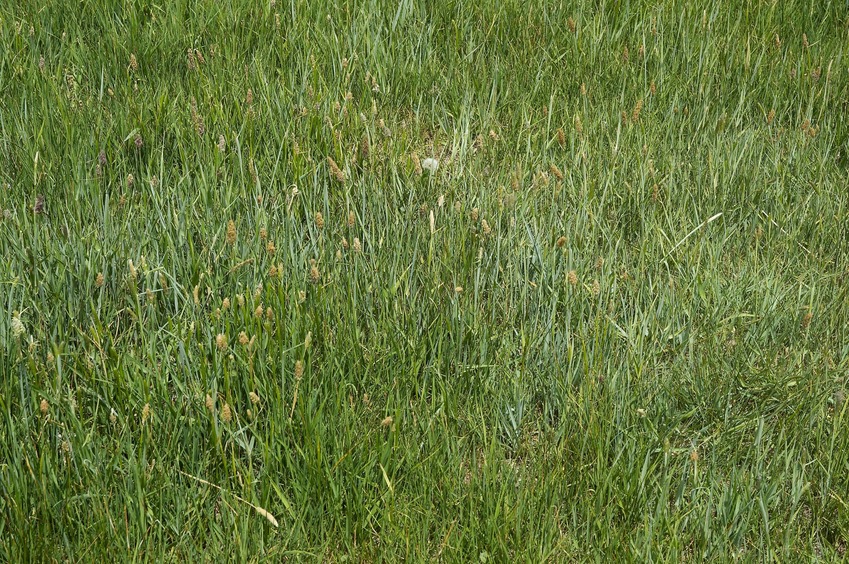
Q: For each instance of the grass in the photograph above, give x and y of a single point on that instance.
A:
(611, 325)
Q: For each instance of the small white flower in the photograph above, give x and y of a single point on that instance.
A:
(430, 164)
(18, 328)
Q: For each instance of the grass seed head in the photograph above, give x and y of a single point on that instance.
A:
(315, 275)
(226, 413)
(44, 407)
(335, 171)
(18, 328)
(231, 232)
(556, 172)
(299, 369)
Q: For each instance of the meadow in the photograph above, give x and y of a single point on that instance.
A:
(461, 281)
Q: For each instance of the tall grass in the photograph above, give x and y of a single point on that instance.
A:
(611, 324)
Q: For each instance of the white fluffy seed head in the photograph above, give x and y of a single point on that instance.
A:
(431, 165)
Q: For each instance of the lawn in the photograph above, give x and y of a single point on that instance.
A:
(482, 281)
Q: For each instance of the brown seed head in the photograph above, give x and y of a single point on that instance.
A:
(299, 369)
(319, 220)
(595, 289)
(556, 172)
(99, 280)
(231, 232)
(254, 397)
(335, 171)
(221, 341)
(561, 241)
(44, 407)
(635, 113)
(210, 403)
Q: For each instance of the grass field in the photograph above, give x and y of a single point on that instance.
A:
(243, 318)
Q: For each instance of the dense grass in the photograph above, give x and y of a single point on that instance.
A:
(612, 324)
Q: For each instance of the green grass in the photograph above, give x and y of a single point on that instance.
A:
(681, 396)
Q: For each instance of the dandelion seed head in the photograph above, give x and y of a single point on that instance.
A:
(430, 165)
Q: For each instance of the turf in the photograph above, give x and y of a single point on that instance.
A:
(242, 318)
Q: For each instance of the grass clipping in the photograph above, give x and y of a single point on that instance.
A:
(264, 512)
